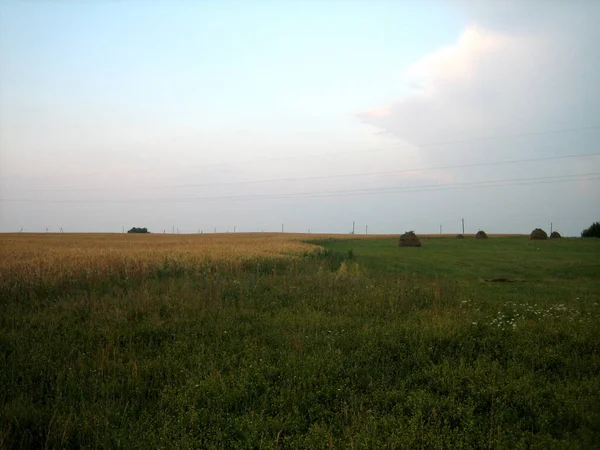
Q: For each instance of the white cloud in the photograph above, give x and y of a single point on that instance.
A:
(497, 80)
(455, 64)
(486, 81)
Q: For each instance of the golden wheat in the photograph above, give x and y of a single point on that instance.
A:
(32, 257)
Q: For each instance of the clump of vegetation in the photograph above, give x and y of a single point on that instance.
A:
(139, 230)
(481, 235)
(460, 236)
(348, 269)
(592, 231)
(555, 235)
(538, 235)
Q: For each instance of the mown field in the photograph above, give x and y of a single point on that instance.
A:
(272, 341)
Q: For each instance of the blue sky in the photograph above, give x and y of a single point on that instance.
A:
(215, 62)
(120, 101)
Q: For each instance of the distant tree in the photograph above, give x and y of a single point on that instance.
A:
(138, 230)
(592, 231)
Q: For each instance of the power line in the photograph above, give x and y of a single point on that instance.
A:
(423, 145)
(418, 188)
(386, 190)
(321, 155)
(387, 172)
(322, 177)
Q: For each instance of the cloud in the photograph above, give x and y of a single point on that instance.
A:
(456, 64)
(378, 112)
(500, 78)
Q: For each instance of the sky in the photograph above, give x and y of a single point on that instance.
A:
(246, 115)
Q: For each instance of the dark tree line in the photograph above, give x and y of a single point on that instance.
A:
(138, 230)
(593, 231)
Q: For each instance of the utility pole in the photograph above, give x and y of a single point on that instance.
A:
(366, 229)
(123, 230)
(550, 227)
(173, 229)
(463, 226)
(234, 228)
(353, 227)
(46, 230)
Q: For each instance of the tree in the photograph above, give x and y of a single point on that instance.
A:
(592, 231)
(138, 230)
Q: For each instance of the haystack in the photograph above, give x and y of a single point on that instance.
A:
(538, 235)
(481, 235)
(555, 235)
(460, 236)
(409, 239)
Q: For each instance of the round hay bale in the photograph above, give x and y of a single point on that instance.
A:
(460, 236)
(409, 239)
(481, 235)
(555, 235)
(538, 235)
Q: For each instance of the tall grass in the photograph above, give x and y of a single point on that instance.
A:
(325, 350)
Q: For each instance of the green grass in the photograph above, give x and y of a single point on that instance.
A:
(518, 257)
(392, 348)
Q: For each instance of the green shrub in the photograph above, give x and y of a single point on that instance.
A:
(592, 231)
(138, 230)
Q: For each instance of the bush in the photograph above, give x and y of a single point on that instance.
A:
(138, 230)
(593, 231)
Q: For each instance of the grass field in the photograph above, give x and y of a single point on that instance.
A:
(266, 341)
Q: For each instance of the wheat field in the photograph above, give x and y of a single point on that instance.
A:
(34, 258)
